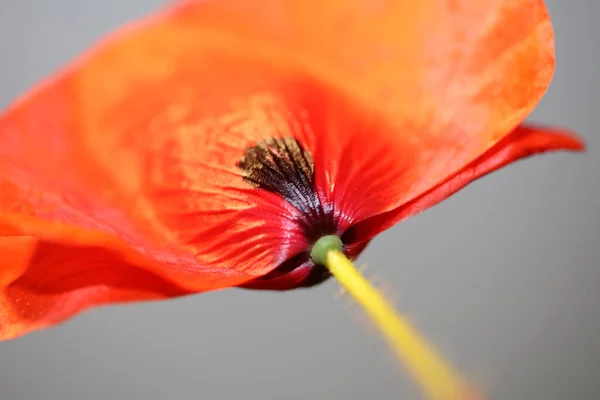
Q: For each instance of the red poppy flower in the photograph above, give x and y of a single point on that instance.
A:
(210, 145)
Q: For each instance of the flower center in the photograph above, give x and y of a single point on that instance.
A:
(282, 166)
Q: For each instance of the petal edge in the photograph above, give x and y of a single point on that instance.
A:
(524, 141)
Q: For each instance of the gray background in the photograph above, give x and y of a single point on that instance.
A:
(504, 276)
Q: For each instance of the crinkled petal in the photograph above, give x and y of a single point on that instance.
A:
(525, 141)
(131, 152)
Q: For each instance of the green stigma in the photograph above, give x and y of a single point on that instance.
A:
(323, 246)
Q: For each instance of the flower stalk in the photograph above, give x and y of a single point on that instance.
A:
(435, 376)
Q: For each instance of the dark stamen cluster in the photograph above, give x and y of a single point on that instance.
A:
(282, 166)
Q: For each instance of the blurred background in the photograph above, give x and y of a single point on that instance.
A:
(503, 277)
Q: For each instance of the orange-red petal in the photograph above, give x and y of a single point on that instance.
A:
(130, 153)
(524, 141)
(451, 78)
(63, 280)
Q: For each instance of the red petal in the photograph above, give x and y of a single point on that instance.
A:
(449, 79)
(523, 142)
(131, 151)
(60, 270)
(17, 252)
(61, 281)
(134, 147)
(131, 154)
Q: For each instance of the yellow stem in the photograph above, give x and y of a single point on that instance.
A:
(436, 377)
